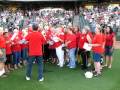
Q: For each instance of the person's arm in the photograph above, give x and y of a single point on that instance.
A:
(67, 42)
(27, 37)
(89, 39)
(95, 45)
(61, 40)
(114, 42)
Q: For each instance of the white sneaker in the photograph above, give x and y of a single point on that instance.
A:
(27, 78)
(89, 64)
(58, 64)
(42, 79)
(71, 67)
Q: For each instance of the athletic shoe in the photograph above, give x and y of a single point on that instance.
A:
(27, 78)
(89, 64)
(58, 64)
(42, 79)
(68, 65)
(71, 67)
(97, 74)
(110, 67)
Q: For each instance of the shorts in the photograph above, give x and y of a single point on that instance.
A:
(108, 51)
(96, 57)
(3, 57)
(9, 59)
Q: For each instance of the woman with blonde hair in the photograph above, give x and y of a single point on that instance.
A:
(71, 44)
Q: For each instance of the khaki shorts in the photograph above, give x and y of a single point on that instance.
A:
(3, 57)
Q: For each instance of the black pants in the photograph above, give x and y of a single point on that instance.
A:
(83, 54)
(46, 52)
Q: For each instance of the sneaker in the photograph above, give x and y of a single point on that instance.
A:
(27, 78)
(42, 79)
(15, 67)
(89, 64)
(68, 65)
(71, 67)
(97, 74)
(19, 65)
(58, 64)
(3, 76)
(104, 65)
(61, 66)
(110, 67)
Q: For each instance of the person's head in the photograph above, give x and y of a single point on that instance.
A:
(87, 28)
(5, 34)
(35, 27)
(109, 30)
(70, 30)
(98, 29)
(76, 29)
(84, 31)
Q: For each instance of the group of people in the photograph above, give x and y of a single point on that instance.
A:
(64, 45)
(23, 40)
(22, 18)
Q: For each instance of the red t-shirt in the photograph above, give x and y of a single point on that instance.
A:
(36, 40)
(8, 45)
(109, 39)
(2, 42)
(82, 40)
(16, 44)
(98, 39)
(72, 39)
(57, 44)
(23, 45)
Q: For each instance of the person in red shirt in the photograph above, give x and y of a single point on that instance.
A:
(35, 42)
(8, 62)
(16, 49)
(109, 46)
(82, 40)
(71, 43)
(98, 50)
(77, 33)
(24, 47)
(58, 39)
(89, 39)
(51, 43)
(2, 52)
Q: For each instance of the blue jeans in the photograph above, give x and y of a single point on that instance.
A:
(39, 60)
(16, 57)
(72, 56)
(25, 54)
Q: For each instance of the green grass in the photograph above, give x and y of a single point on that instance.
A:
(64, 79)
